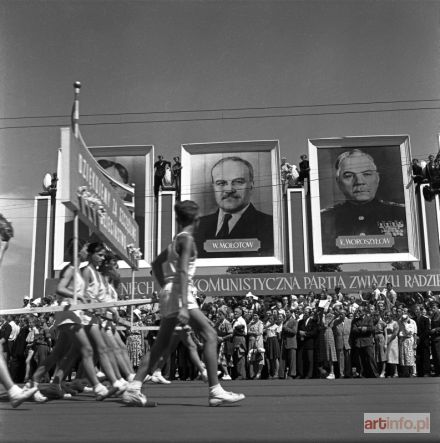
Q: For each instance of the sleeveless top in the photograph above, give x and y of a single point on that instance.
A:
(171, 265)
(95, 292)
(169, 295)
(66, 317)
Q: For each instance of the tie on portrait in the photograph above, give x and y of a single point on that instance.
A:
(224, 230)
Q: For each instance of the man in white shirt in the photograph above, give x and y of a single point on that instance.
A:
(391, 294)
(239, 328)
(15, 329)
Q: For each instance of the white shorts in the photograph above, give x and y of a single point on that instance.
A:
(169, 300)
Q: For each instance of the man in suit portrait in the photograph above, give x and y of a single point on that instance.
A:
(236, 217)
(362, 216)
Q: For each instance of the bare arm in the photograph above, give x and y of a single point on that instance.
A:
(185, 248)
(63, 285)
(157, 267)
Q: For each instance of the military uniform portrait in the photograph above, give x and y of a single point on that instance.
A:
(362, 202)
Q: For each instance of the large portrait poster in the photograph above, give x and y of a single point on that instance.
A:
(131, 167)
(363, 205)
(237, 187)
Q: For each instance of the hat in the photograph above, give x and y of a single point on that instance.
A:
(36, 301)
(137, 312)
(26, 297)
(249, 294)
(294, 297)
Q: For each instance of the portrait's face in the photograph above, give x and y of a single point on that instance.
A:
(232, 185)
(114, 173)
(358, 179)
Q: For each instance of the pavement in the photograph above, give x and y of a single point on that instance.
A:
(273, 411)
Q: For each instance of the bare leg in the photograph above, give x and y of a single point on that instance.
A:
(111, 353)
(5, 378)
(160, 347)
(110, 339)
(124, 353)
(199, 322)
(28, 364)
(102, 351)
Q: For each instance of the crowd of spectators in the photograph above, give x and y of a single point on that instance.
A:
(330, 335)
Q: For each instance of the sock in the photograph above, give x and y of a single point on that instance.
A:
(135, 385)
(131, 377)
(14, 390)
(216, 388)
(117, 384)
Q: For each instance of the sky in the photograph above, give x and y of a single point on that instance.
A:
(171, 72)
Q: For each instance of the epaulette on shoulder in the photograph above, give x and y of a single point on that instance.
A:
(331, 208)
(395, 204)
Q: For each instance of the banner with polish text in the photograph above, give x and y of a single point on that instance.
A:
(85, 189)
(297, 283)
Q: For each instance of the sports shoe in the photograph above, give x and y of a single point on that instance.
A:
(102, 392)
(147, 378)
(121, 386)
(224, 397)
(101, 376)
(159, 378)
(134, 398)
(330, 377)
(53, 392)
(18, 396)
(38, 397)
(226, 377)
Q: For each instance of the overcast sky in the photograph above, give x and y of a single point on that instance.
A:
(247, 70)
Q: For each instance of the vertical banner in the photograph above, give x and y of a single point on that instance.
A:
(86, 190)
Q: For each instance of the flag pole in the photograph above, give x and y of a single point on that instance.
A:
(75, 109)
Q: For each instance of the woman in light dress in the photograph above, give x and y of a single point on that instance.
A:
(407, 331)
(392, 344)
